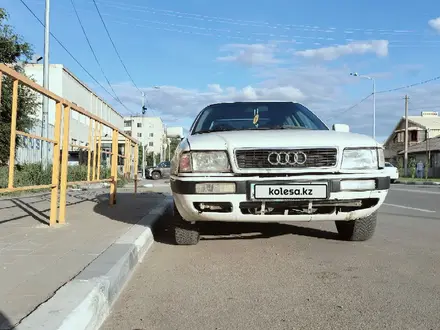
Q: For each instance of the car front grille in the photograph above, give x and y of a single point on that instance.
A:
(276, 158)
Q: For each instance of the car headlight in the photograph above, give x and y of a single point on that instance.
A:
(360, 159)
(204, 161)
(381, 158)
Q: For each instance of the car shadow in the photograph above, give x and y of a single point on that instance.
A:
(212, 231)
(5, 323)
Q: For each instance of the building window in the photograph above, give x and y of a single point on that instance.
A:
(139, 124)
(413, 136)
(139, 134)
(128, 133)
(151, 144)
(127, 123)
(151, 134)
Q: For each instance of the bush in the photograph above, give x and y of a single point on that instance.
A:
(36, 175)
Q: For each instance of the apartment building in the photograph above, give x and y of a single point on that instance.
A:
(150, 131)
(66, 85)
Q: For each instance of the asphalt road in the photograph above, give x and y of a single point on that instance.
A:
(294, 277)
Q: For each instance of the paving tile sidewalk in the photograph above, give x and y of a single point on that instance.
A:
(37, 260)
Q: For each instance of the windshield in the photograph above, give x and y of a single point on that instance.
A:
(256, 116)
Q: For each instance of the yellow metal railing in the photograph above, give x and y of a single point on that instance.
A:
(63, 109)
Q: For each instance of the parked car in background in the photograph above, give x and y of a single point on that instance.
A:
(161, 171)
(391, 171)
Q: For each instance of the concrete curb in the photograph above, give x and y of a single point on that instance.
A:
(423, 183)
(85, 302)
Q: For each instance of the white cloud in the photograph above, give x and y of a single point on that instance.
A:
(250, 54)
(435, 24)
(378, 47)
(319, 88)
(177, 103)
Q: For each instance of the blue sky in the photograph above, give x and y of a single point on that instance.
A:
(200, 52)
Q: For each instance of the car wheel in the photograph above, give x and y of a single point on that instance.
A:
(357, 230)
(156, 175)
(185, 233)
(393, 180)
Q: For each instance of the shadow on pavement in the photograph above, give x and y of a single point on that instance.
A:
(129, 207)
(39, 205)
(5, 323)
(163, 231)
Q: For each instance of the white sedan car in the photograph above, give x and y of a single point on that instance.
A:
(391, 171)
(275, 162)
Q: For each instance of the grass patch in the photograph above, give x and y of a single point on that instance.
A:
(36, 175)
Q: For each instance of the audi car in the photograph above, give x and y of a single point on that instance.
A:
(275, 162)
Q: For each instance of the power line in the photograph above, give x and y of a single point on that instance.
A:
(241, 35)
(114, 46)
(70, 54)
(117, 52)
(409, 86)
(306, 28)
(94, 54)
(352, 107)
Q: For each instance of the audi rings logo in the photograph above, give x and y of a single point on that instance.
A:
(287, 158)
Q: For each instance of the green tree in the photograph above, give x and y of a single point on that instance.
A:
(173, 145)
(140, 155)
(13, 49)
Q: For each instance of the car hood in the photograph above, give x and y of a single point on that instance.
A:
(285, 138)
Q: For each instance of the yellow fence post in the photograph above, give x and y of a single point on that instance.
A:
(1, 81)
(55, 166)
(94, 150)
(114, 168)
(13, 133)
(125, 158)
(99, 152)
(64, 159)
(89, 151)
(136, 159)
(129, 159)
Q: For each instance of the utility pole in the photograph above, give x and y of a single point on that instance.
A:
(405, 159)
(374, 108)
(142, 138)
(45, 114)
(428, 155)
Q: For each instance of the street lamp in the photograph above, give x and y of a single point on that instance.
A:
(144, 109)
(355, 74)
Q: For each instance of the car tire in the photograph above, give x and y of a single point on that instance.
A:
(357, 230)
(156, 175)
(393, 180)
(185, 233)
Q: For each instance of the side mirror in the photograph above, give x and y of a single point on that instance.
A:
(341, 128)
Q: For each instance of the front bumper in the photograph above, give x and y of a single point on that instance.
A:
(240, 206)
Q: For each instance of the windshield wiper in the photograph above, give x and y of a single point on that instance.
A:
(216, 130)
(288, 127)
(276, 127)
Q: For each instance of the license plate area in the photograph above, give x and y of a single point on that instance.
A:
(289, 191)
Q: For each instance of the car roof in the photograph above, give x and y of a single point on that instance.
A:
(254, 102)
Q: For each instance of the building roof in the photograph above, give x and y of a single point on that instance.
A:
(427, 122)
(433, 144)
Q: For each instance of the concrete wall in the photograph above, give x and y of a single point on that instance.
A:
(175, 132)
(63, 83)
